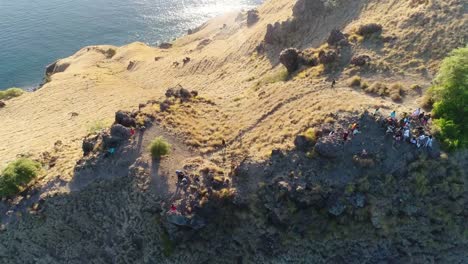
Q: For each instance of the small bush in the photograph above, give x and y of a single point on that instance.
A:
(377, 88)
(159, 147)
(355, 82)
(396, 92)
(311, 135)
(364, 85)
(17, 175)
(277, 76)
(96, 127)
(110, 53)
(11, 93)
(416, 88)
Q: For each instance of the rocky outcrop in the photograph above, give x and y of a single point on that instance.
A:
(56, 67)
(327, 57)
(2, 104)
(165, 45)
(120, 133)
(89, 144)
(252, 17)
(368, 29)
(336, 37)
(328, 148)
(290, 59)
(125, 119)
(360, 60)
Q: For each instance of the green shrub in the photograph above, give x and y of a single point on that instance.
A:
(17, 175)
(355, 82)
(11, 93)
(450, 97)
(311, 135)
(159, 147)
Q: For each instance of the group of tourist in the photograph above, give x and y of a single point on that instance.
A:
(401, 129)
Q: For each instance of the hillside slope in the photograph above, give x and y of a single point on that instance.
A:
(264, 195)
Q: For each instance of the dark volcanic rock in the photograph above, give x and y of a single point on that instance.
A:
(369, 29)
(327, 148)
(290, 59)
(270, 34)
(327, 57)
(335, 37)
(164, 106)
(165, 45)
(301, 143)
(88, 144)
(120, 132)
(125, 119)
(360, 60)
(56, 67)
(252, 17)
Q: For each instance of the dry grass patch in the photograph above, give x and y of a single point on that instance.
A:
(355, 81)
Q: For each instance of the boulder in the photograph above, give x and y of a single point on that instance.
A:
(360, 60)
(165, 45)
(171, 92)
(301, 143)
(252, 17)
(368, 29)
(270, 34)
(327, 57)
(194, 93)
(290, 59)
(2, 104)
(335, 37)
(120, 132)
(327, 148)
(56, 67)
(88, 144)
(164, 106)
(125, 119)
(184, 93)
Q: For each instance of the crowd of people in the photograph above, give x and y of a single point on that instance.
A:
(409, 128)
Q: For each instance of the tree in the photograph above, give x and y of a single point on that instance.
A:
(450, 96)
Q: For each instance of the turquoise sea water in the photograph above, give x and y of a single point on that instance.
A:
(34, 33)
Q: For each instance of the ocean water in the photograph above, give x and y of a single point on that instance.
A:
(34, 33)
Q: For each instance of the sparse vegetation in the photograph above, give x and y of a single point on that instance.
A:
(18, 175)
(11, 93)
(277, 76)
(96, 127)
(110, 53)
(159, 147)
(395, 91)
(450, 97)
(311, 135)
(355, 81)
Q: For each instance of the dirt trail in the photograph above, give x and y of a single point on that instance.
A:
(163, 179)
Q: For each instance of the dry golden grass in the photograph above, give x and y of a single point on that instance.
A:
(250, 105)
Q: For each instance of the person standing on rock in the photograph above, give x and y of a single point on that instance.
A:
(406, 135)
(429, 142)
(345, 136)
